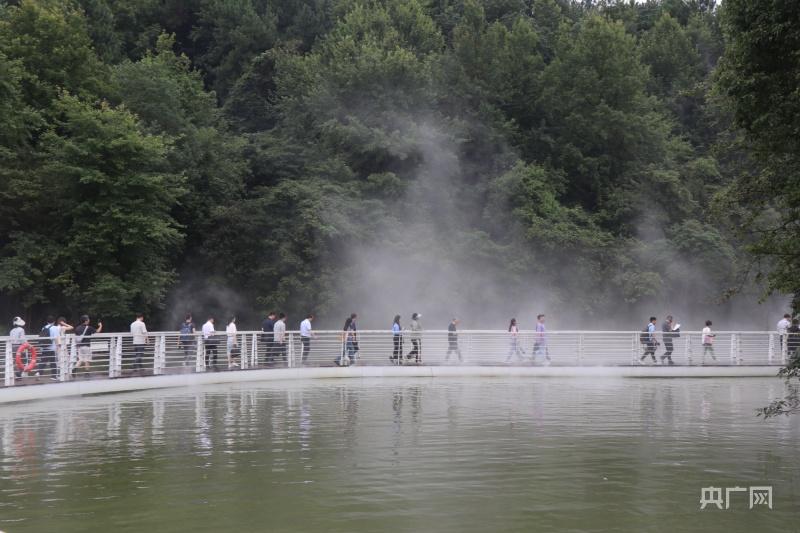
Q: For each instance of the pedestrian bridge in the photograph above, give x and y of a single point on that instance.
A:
(171, 359)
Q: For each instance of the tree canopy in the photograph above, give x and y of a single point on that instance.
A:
(318, 154)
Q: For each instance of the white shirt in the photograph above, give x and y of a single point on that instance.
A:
(17, 335)
(208, 330)
(305, 328)
(55, 333)
(783, 326)
(707, 338)
(139, 331)
(231, 331)
(280, 331)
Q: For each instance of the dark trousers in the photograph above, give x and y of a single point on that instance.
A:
(211, 349)
(416, 351)
(269, 348)
(138, 354)
(187, 346)
(668, 347)
(279, 351)
(650, 349)
(397, 352)
(306, 341)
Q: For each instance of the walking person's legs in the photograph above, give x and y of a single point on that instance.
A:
(306, 341)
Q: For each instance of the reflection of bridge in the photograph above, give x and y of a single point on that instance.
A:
(570, 353)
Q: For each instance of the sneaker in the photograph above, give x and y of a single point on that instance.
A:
(53, 378)
(37, 374)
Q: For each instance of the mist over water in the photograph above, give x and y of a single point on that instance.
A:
(429, 263)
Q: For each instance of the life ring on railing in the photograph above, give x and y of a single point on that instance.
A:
(26, 347)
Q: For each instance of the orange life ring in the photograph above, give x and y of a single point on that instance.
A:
(26, 347)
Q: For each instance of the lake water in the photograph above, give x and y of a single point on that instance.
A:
(443, 455)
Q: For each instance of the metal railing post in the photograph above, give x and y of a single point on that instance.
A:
(635, 348)
(111, 357)
(254, 350)
(244, 352)
(733, 348)
(290, 357)
(771, 349)
(118, 342)
(689, 350)
(785, 349)
(158, 355)
(200, 362)
(9, 364)
(72, 355)
(738, 349)
(62, 358)
(580, 349)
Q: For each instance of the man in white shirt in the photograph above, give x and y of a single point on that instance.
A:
(233, 343)
(209, 342)
(305, 336)
(58, 333)
(139, 332)
(783, 327)
(279, 332)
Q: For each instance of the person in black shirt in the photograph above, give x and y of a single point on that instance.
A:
(187, 338)
(668, 333)
(268, 337)
(83, 331)
(452, 340)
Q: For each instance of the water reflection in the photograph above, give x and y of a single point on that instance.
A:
(349, 456)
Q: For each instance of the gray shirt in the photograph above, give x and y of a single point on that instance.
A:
(280, 331)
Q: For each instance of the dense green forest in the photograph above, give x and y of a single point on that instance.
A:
(229, 156)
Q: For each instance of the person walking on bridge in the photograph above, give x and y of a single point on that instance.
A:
(416, 338)
(648, 338)
(668, 332)
(305, 337)
(540, 344)
(397, 341)
(514, 345)
(139, 332)
(452, 341)
(708, 342)
(279, 336)
(210, 342)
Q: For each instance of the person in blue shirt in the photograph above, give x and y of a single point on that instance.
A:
(650, 345)
(397, 340)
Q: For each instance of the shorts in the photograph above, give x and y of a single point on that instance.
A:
(85, 354)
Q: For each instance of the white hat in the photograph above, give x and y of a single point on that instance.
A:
(18, 321)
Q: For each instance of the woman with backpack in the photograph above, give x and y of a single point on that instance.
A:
(187, 342)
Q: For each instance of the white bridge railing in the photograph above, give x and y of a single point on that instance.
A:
(114, 354)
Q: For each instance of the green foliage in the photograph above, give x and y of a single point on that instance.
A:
(758, 79)
(149, 148)
(110, 239)
(51, 42)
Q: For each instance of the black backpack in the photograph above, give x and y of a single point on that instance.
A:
(45, 331)
(644, 336)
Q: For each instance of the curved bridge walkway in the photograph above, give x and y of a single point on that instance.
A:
(170, 359)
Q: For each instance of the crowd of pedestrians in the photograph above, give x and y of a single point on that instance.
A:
(217, 349)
